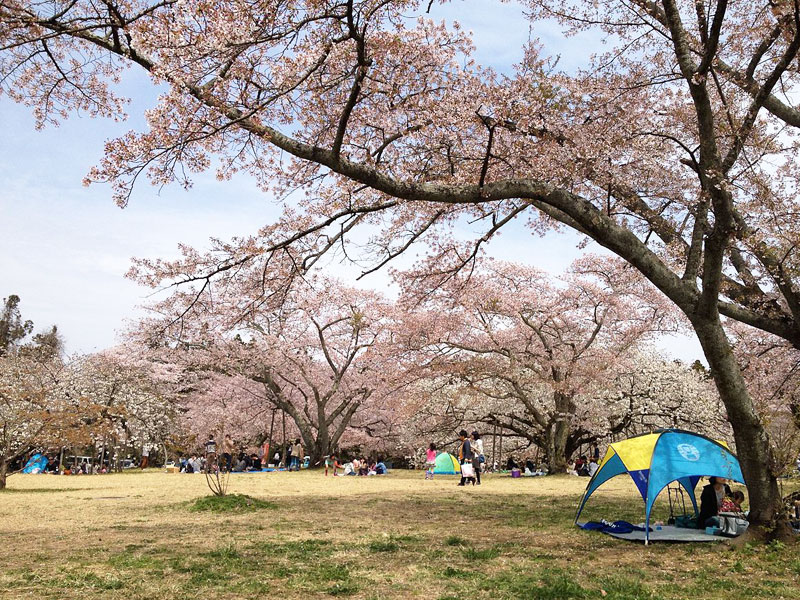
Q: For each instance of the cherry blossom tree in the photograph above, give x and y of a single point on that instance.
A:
(322, 357)
(536, 345)
(771, 367)
(224, 404)
(643, 392)
(674, 149)
(651, 392)
(38, 409)
(134, 399)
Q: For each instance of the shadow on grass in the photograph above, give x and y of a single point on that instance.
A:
(44, 490)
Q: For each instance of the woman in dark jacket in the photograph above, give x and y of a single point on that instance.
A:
(710, 501)
(465, 455)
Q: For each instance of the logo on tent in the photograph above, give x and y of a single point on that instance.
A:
(689, 452)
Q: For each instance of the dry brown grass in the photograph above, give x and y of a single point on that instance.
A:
(133, 536)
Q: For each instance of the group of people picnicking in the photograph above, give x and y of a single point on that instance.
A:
(228, 460)
(356, 466)
(291, 459)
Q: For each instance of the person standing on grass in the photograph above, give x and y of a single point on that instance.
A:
(430, 461)
(332, 462)
(596, 452)
(228, 449)
(297, 451)
(211, 451)
(145, 456)
(477, 455)
(465, 455)
(264, 454)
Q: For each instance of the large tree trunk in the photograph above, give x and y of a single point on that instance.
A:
(558, 433)
(317, 450)
(3, 473)
(752, 440)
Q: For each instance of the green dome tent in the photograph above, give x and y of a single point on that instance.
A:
(446, 464)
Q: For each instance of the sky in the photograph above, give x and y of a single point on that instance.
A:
(64, 248)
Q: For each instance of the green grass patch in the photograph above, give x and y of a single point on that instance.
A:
(454, 540)
(343, 588)
(384, 546)
(481, 554)
(515, 585)
(232, 503)
(457, 573)
(623, 588)
(77, 580)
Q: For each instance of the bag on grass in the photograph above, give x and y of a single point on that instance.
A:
(467, 470)
(686, 521)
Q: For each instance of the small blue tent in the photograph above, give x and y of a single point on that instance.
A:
(36, 464)
(654, 460)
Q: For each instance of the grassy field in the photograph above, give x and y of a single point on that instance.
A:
(145, 535)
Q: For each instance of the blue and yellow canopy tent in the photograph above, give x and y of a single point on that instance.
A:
(654, 460)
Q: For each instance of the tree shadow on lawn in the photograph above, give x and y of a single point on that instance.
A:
(46, 490)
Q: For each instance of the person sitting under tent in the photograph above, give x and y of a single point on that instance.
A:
(711, 501)
(733, 504)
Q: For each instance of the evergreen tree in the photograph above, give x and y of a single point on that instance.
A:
(12, 328)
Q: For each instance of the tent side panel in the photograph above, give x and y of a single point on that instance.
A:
(611, 468)
(681, 455)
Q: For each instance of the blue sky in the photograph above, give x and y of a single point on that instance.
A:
(64, 248)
